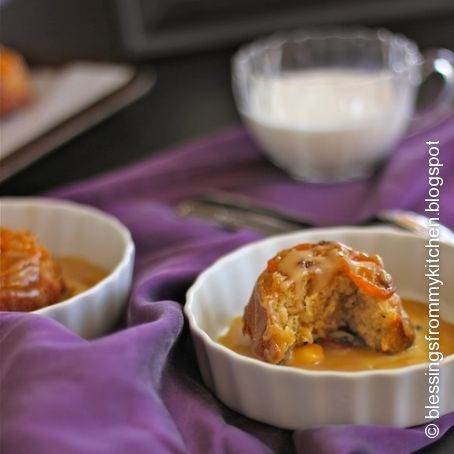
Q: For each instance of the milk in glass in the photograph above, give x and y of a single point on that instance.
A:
(331, 121)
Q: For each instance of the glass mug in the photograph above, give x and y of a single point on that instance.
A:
(330, 105)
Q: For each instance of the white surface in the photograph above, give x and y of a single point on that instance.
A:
(60, 94)
(295, 398)
(66, 228)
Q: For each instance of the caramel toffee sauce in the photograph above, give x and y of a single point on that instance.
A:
(339, 357)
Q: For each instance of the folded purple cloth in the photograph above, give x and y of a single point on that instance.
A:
(139, 389)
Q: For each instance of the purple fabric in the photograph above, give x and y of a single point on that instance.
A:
(139, 390)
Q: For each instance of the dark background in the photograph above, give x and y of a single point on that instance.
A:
(192, 94)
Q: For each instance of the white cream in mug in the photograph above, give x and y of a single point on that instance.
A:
(321, 124)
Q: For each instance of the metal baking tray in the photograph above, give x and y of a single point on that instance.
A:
(16, 153)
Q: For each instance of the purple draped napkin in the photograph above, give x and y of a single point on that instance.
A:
(139, 389)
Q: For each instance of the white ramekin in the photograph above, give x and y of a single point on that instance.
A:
(295, 398)
(68, 228)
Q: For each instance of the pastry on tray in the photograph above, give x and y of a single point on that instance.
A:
(312, 291)
(15, 86)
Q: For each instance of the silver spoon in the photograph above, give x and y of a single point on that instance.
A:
(415, 222)
(234, 211)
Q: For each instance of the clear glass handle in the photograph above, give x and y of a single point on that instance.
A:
(439, 61)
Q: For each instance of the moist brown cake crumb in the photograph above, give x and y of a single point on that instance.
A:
(310, 291)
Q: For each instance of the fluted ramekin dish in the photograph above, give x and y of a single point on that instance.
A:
(71, 229)
(294, 398)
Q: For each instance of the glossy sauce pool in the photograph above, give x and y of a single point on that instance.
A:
(330, 356)
(78, 275)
